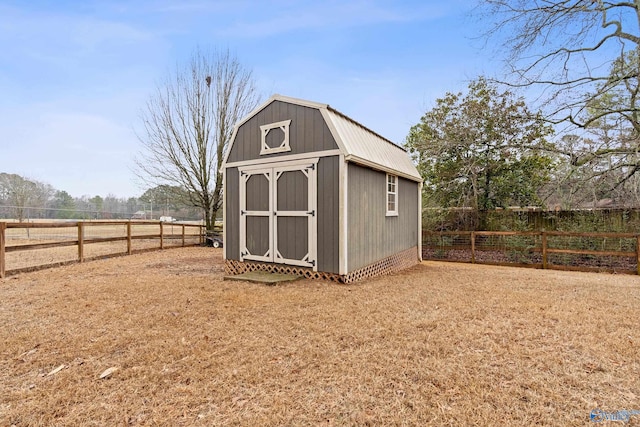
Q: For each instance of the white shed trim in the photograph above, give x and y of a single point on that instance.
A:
(333, 130)
(283, 146)
(287, 158)
(224, 215)
(272, 171)
(420, 221)
(342, 215)
(373, 165)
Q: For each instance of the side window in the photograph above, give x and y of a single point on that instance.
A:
(392, 195)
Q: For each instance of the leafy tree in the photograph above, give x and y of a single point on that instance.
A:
(64, 204)
(481, 150)
(188, 123)
(97, 203)
(166, 197)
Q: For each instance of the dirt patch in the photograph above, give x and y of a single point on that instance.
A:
(439, 344)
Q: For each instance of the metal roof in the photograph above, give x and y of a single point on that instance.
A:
(364, 146)
(358, 143)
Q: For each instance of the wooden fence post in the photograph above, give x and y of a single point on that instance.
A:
(80, 241)
(473, 247)
(129, 246)
(3, 227)
(638, 253)
(161, 236)
(544, 249)
(183, 235)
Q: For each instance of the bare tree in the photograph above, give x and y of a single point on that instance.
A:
(582, 58)
(20, 194)
(568, 49)
(188, 123)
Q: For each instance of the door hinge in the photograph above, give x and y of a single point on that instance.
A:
(243, 212)
(312, 213)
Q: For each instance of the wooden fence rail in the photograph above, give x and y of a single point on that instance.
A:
(618, 252)
(615, 252)
(16, 237)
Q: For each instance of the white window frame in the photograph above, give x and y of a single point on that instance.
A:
(390, 192)
(284, 145)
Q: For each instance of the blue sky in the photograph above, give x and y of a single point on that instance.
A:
(74, 75)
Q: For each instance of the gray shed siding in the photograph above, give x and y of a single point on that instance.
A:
(232, 213)
(327, 216)
(293, 238)
(372, 235)
(257, 235)
(308, 132)
(293, 194)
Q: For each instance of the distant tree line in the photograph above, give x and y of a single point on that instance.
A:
(22, 198)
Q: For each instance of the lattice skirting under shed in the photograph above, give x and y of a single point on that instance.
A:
(391, 264)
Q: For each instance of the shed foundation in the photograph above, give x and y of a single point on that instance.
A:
(391, 264)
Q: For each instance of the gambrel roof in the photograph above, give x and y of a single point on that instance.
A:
(358, 143)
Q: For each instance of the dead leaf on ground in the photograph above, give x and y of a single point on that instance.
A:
(58, 369)
(107, 373)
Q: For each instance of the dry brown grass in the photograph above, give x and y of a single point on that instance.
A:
(440, 344)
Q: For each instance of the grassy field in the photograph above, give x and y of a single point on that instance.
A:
(439, 344)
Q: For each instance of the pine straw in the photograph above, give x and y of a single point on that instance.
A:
(439, 344)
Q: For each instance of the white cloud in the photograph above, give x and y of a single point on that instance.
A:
(57, 37)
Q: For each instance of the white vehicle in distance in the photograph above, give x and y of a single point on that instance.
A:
(167, 219)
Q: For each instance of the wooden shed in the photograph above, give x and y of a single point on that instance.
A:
(308, 190)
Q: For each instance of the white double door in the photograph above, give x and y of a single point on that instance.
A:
(278, 213)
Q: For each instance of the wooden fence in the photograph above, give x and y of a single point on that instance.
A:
(612, 252)
(34, 245)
